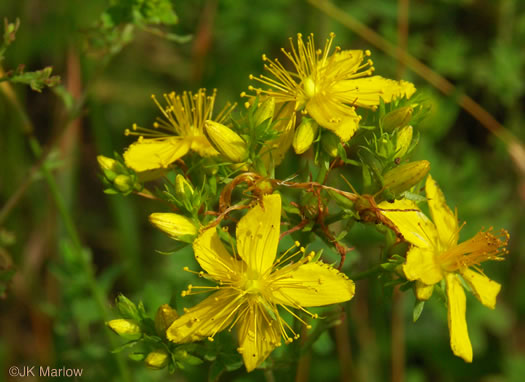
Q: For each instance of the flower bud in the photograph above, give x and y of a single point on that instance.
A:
(404, 176)
(157, 359)
(304, 135)
(123, 183)
(330, 143)
(126, 307)
(183, 188)
(397, 118)
(176, 226)
(110, 167)
(226, 141)
(106, 163)
(264, 111)
(164, 318)
(403, 141)
(126, 328)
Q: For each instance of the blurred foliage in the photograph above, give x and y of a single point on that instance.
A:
(113, 55)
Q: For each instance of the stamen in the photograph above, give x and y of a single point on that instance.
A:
(482, 247)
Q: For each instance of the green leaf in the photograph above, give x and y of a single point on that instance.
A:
(418, 309)
(127, 345)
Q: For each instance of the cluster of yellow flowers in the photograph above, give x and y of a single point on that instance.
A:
(323, 87)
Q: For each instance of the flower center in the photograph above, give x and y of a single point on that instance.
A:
(253, 286)
(482, 247)
(309, 87)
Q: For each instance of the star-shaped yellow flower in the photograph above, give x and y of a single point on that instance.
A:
(436, 255)
(252, 285)
(328, 87)
(181, 130)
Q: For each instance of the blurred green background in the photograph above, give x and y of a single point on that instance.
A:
(53, 309)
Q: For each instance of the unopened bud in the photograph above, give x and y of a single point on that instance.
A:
(397, 118)
(226, 141)
(110, 167)
(183, 188)
(304, 135)
(123, 183)
(126, 307)
(106, 163)
(157, 359)
(264, 111)
(164, 318)
(404, 176)
(176, 226)
(126, 328)
(330, 143)
(403, 141)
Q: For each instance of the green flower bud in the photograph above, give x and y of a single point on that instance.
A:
(265, 111)
(304, 135)
(164, 318)
(157, 359)
(176, 226)
(226, 141)
(126, 307)
(403, 177)
(403, 141)
(123, 183)
(397, 118)
(183, 188)
(330, 143)
(126, 328)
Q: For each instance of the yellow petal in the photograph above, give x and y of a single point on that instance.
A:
(258, 336)
(366, 91)
(343, 64)
(150, 154)
(483, 288)
(312, 284)
(446, 222)
(206, 318)
(423, 291)
(258, 234)
(420, 265)
(457, 323)
(334, 116)
(213, 257)
(413, 224)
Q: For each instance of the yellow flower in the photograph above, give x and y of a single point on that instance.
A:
(252, 284)
(436, 255)
(328, 87)
(181, 130)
